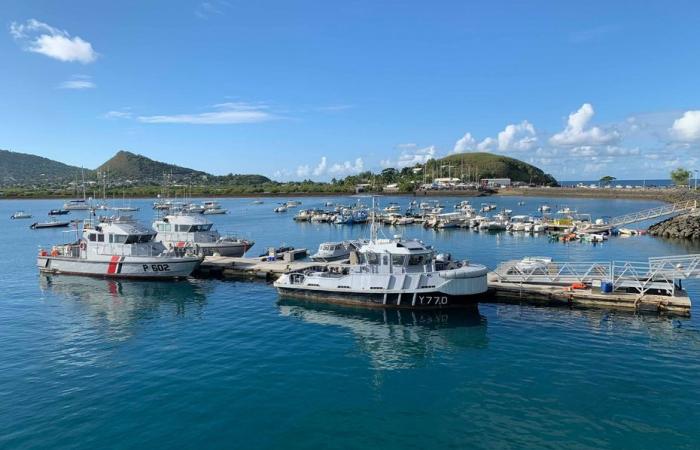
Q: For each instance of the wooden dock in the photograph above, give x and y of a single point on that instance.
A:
(546, 294)
(563, 295)
(260, 267)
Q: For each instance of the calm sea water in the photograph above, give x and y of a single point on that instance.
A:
(91, 363)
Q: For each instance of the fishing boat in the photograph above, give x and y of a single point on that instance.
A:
(196, 233)
(395, 273)
(335, 251)
(21, 215)
(58, 212)
(117, 248)
(49, 224)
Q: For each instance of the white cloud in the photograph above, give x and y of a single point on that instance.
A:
(577, 133)
(226, 114)
(39, 37)
(323, 168)
(118, 114)
(687, 127)
(303, 171)
(211, 8)
(78, 82)
(518, 137)
(410, 156)
(347, 168)
(514, 137)
(466, 143)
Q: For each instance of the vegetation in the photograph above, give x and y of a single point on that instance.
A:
(606, 180)
(137, 176)
(21, 169)
(681, 176)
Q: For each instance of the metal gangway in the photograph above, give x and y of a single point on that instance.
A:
(658, 274)
(687, 206)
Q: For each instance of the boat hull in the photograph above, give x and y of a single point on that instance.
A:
(417, 300)
(234, 249)
(120, 266)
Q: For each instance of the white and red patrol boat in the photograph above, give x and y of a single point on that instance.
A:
(119, 248)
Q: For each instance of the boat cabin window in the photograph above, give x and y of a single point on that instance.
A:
(117, 238)
(417, 260)
(199, 228)
(163, 227)
(398, 260)
(92, 237)
(371, 258)
(100, 237)
(385, 260)
(135, 238)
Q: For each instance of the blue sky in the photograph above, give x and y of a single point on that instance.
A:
(313, 89)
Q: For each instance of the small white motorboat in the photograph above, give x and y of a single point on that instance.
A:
(21, 215)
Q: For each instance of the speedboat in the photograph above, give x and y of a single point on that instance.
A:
(195, 232)
(49, 224)
(281, 209)
(118, 248)
(58, 212)
(393, 208)
(544, 208)
(76, 205)
(392, 273)
(21, 215)
(335, 251)
(293, 203)
(211, 208)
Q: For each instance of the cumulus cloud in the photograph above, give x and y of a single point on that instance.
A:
(514, 137)
(224, 114)
(78, 82)
(518, 137)
(687, 127)
(324, 169)
(577, 131)
(410, 156)
(39, 37)
(466, 143)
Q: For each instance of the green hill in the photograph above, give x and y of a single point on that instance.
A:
(130, 166)
(488, 165)
(24, 169)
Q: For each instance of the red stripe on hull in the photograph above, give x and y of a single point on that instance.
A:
(112, 268)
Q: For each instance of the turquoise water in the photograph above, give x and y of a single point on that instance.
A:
(92, 363)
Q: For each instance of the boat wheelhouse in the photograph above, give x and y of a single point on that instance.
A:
(196, 232)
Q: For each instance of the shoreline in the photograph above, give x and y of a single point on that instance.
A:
(666, 195)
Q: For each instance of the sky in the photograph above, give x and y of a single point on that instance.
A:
(316, 89)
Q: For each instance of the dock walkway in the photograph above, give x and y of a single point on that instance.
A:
(650, 286)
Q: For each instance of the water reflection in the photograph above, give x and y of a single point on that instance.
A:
(397, 339)
(122, 304)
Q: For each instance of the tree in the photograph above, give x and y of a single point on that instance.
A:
(607, 179)
(681, 177)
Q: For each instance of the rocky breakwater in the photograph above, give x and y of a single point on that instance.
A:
(679, 227)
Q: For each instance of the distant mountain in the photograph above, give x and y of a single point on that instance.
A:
(130, 166)
(24, 169)
(488, 165)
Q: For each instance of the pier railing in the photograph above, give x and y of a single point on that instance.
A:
(659, 274)
(665, 210)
